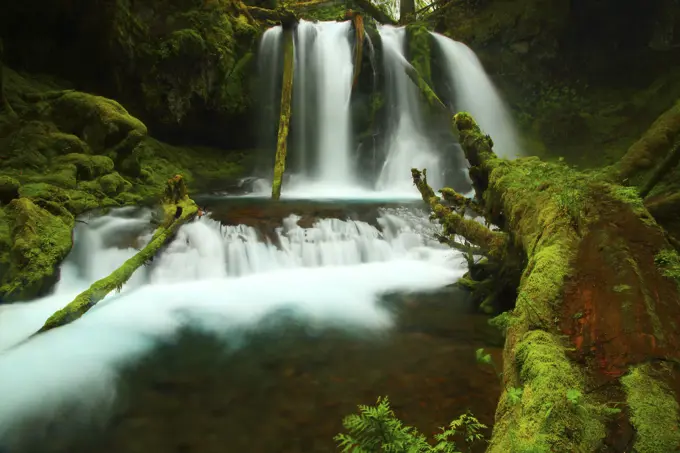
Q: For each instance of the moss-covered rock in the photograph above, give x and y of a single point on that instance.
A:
(9, 189)
(102, 123)
(40, 240)
(113, 184)
(88, 167)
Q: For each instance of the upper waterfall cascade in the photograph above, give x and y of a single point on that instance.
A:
(323, 154)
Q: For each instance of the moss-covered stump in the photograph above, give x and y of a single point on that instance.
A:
(178, 209)
(591, 302)
(39, 241)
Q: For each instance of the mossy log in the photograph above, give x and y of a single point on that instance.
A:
(667, 164)
(284, 16)
(643, 155)
(358, 23)
(284, 118)
(178, 209)
(425, 89)
(376, 13)
(593, 305)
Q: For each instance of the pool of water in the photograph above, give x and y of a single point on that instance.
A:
(280, 381)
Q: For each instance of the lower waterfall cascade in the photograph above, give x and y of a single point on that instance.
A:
(214, 277)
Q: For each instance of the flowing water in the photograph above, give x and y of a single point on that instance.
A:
(256, 329)
(408, 147)
(260, 326)
(474, 92)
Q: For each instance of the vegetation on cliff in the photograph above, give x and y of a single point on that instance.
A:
(64, 152)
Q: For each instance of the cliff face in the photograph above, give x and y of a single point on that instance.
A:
(178, 66)
(585, 78)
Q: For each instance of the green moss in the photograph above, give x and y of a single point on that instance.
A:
(325, 12)
(99, 289)
(100, 122)
(419, 49)
(40, 241)
(668, 262)
(202, 168)
(284, 119)
(203, 57)
(556, 413)
(653, 411)
(88, 167)
(113, 184)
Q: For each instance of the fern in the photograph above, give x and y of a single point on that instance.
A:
(376, 429)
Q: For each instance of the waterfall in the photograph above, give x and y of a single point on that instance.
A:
(332, 54)
(475, 93)
(220, 279)
(408, 147)
(303, 91)
(269, 68)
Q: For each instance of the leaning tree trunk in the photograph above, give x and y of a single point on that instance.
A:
(596, 303)
(178, 209)
(284, 118)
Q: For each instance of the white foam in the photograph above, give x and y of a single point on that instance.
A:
(74, 369)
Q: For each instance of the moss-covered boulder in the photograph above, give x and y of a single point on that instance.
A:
(102, 123)
(40, 241)
(113, 184)
(177, 65)
(9, 189)
(88, 167)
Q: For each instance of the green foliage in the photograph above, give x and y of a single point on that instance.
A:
(514, 395)
(39, 240)
(202, 56)
(377, 429)
(668, 261)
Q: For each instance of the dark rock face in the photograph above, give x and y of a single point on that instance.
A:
(181, 65)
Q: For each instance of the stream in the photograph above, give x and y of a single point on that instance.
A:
(257, 329)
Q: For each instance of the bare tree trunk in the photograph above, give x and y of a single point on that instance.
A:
(284, 119)
(358, 22)
(407, 11)
(595, 309)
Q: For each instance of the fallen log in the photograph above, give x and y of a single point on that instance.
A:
(178, 209)
(595, 309)
(369, 8)
(650, 148)
(285, 17)
(667, 164)
(284, 118)
(425, 89)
